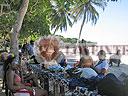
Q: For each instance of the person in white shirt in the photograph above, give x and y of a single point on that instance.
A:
(102, 66)
(116, 58)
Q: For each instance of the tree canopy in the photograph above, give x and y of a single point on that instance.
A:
(45, 14)
(35, 21)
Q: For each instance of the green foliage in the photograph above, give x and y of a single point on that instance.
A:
(34, 25)
(7, 20)
(35, 22)
(67, 40)
(13, 4)
(58, 14)
(42, 14)
(8, 17)
(86, 9)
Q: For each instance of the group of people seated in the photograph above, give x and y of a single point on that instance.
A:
(16, 74)
(107, 83)
(89, 68)
(16, 82)
(47, 54)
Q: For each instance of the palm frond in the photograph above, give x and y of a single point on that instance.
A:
(69, 21)
(99, 3)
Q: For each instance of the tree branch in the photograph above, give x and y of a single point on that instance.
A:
(34, 5)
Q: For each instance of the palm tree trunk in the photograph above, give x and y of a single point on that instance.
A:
(54, 32)
(77, 43)
(82, 24)
(14, 34)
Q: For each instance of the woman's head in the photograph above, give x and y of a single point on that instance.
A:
(15, 65)
(48, 46)
(86, 61)
(101, 54)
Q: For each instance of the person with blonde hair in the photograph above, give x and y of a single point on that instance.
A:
(86, 74)
(47, 51)
(85, 66)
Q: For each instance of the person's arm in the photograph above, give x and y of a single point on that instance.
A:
(105, 67)
(29, 77)
(103, 71)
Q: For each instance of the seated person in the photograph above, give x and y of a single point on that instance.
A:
(116, 58)
(85, 66)
(47, 52)
(27, 74)
(102, 65)
(87, 77)
(13, 79)
(117, 86)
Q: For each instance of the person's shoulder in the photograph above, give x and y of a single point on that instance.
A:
(105, 61)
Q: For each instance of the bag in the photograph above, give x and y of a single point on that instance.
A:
(110, 85)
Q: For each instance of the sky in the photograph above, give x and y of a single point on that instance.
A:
(110, 29)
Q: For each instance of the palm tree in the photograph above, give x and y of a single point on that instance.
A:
(59, 15)
(59, 12)
(87, 10)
